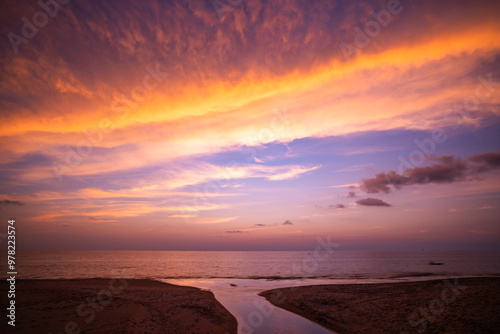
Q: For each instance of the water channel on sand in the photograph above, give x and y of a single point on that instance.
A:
(254, 313)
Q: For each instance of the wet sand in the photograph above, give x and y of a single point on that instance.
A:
(114, 306)
(464, 305)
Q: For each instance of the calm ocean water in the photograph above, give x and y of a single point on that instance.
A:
(356, 265)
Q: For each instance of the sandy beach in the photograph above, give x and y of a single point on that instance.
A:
(465, 305)
(115, 306)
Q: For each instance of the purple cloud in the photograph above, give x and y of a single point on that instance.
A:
(448, 169)
(9, 202)
(372, 202)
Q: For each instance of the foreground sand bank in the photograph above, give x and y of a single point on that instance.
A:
(464, 305)
(114, 306)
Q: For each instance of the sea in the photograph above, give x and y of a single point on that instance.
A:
(269, 265)
(236, 277)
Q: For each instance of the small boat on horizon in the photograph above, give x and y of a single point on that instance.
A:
(432, 263)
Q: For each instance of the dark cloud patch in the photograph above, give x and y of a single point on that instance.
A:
(236, 231)
(260, 224)
(448, 169)
(92, 218)
(9, 202)
(352, 192)
(336, 206)
(372, 202)
(382, 181)
(330, 207)
(287, 222)
(486, 161)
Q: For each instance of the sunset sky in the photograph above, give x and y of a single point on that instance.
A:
(250, 124)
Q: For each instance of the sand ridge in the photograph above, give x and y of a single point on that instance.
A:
(116, 306)
(465, 305)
